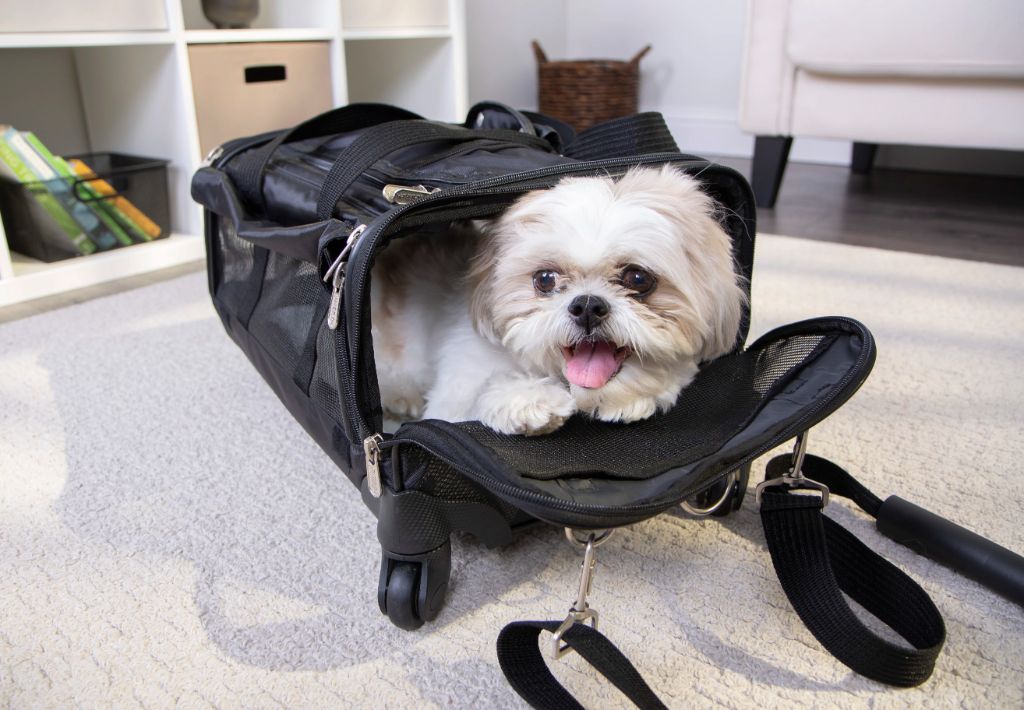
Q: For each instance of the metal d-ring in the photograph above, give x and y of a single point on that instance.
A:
(580, 612)
(730, 481)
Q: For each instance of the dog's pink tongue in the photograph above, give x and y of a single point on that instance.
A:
(592, 364)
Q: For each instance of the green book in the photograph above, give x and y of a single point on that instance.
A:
(59, 216)
(85, 217)
(95, 201)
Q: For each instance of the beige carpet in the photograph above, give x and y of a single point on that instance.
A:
(170, 537)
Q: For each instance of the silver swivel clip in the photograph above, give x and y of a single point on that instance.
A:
(580, 612)
(795, 478)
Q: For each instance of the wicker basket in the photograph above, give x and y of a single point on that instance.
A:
(586, 92)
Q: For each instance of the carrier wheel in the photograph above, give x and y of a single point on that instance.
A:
(412, 588)
(400, 596)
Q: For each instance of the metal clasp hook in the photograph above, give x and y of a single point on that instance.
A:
(795, 478)
(580, 612)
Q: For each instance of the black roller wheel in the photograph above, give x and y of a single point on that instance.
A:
(401, 594)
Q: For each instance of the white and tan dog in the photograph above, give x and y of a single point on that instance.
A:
(596, 296)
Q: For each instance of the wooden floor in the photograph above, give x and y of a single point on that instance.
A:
(960, 216)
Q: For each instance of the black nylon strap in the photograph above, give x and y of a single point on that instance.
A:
(339, 120)
(636, 134)
(524, 666)
(379, 141)
(817, 560)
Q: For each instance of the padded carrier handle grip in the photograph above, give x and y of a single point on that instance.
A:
(946, 542)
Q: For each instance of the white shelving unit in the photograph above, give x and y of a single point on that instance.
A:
(131, 92)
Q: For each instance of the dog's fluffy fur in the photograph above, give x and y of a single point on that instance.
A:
(486, 323)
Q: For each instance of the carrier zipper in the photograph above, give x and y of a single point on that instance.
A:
(501, 183)
(221, 154)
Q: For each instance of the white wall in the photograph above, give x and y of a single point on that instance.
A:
(501, 65)
(39, 90)
(691, 75)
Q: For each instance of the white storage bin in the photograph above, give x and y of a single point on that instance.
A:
(78, 16)
(394, 14)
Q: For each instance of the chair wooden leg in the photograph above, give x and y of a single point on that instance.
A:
(770, 156)
(863, 158)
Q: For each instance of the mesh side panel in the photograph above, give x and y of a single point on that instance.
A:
(720, 401)
(284, 313)
(438, 479)
(236, 278)
(324, 387)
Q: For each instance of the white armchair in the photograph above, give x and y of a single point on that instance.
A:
(920, 72)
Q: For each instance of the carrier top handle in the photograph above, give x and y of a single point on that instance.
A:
(338, 120)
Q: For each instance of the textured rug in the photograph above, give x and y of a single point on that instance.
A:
(170, 537)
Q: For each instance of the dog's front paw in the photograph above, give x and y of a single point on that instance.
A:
(522, 406)
(632, 411)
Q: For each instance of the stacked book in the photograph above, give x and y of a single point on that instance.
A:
(72, 207)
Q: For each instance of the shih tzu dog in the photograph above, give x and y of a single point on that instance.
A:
(596, 296)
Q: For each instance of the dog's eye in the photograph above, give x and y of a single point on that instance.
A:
(637, 280)
(545, 281)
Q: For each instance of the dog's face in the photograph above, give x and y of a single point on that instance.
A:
(594, 277)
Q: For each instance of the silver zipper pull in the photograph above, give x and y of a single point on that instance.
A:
(336, 275)
(404, 194)
(371, 450)
(212, 156)
(334, 310)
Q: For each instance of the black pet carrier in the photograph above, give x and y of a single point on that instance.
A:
(294, 221)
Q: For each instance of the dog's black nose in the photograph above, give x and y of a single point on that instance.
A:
(588, 311)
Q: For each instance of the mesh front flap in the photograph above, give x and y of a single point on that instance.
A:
(720, 401)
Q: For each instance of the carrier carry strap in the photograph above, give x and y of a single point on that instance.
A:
(338, 120)
(817, 560)
(523, 665)
(637, 134)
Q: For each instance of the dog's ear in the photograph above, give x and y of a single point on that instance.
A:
(481, 280)
(715, 289)
(723, 309)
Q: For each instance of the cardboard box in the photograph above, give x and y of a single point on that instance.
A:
(246, 88)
